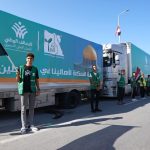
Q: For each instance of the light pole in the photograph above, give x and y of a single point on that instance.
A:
(118, 27)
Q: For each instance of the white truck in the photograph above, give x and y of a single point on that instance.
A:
(125, 57)
(63, 61)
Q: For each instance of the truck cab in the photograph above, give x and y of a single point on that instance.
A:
(114, 62)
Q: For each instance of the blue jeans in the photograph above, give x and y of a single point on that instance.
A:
(27, 98)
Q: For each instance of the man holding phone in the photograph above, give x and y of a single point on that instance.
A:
(28, 88)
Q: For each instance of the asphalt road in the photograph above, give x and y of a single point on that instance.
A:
(117, 127)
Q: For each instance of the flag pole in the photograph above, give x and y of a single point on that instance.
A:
(119, 36)
(14, 67)
(3, 52)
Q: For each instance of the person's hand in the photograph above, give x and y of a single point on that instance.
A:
(17, 73)
(98, 88)
(17, 76)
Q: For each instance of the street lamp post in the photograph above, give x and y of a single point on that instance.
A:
(119, 22)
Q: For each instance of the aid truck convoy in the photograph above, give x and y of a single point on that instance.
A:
(123, 57)
(63, 61)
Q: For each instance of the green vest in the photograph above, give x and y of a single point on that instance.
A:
(94, 80)
(148, 82)
(121, 82)
(133, 82)
(142, 82)
(32, 80)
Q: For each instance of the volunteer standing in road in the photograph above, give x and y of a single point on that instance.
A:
(121, 88)
(28, 88)
(95, 85)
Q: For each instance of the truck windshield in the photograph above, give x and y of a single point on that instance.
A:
(110, 58)
(107, 59)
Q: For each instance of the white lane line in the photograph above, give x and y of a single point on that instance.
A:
(49, 125)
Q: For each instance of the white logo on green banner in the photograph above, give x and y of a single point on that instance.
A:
(52, 44)
(19, 30)
(18, 42)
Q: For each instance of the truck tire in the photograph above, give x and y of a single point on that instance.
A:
(72, 99)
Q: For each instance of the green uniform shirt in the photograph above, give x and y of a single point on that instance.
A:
(94, 80)
(32, 80)
(133, 82)
(148, 82)
(121, 82)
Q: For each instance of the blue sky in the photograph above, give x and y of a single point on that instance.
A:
(94, 20)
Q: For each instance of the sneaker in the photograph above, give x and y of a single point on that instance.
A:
(33, 128)
(133, 100)
(23, 130)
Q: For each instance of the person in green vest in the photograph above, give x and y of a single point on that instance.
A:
(28, 88)
(133, 86)
(95, 86)
(142, 83)
(148, 85)
(121, 89)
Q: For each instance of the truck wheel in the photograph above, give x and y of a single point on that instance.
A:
(72, 99)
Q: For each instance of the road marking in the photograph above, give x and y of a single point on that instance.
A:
(49, 125)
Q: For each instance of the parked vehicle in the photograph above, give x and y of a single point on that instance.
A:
(63, 60)
(126, 58)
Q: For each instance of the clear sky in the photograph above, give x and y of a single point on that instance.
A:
(94, 20)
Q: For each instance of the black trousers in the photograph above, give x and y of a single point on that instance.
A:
(94, 99)
(142, 91)
(133, 92)
(121, 91)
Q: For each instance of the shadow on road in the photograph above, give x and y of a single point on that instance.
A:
(10, 122)
(83, 111)
(100, 140)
